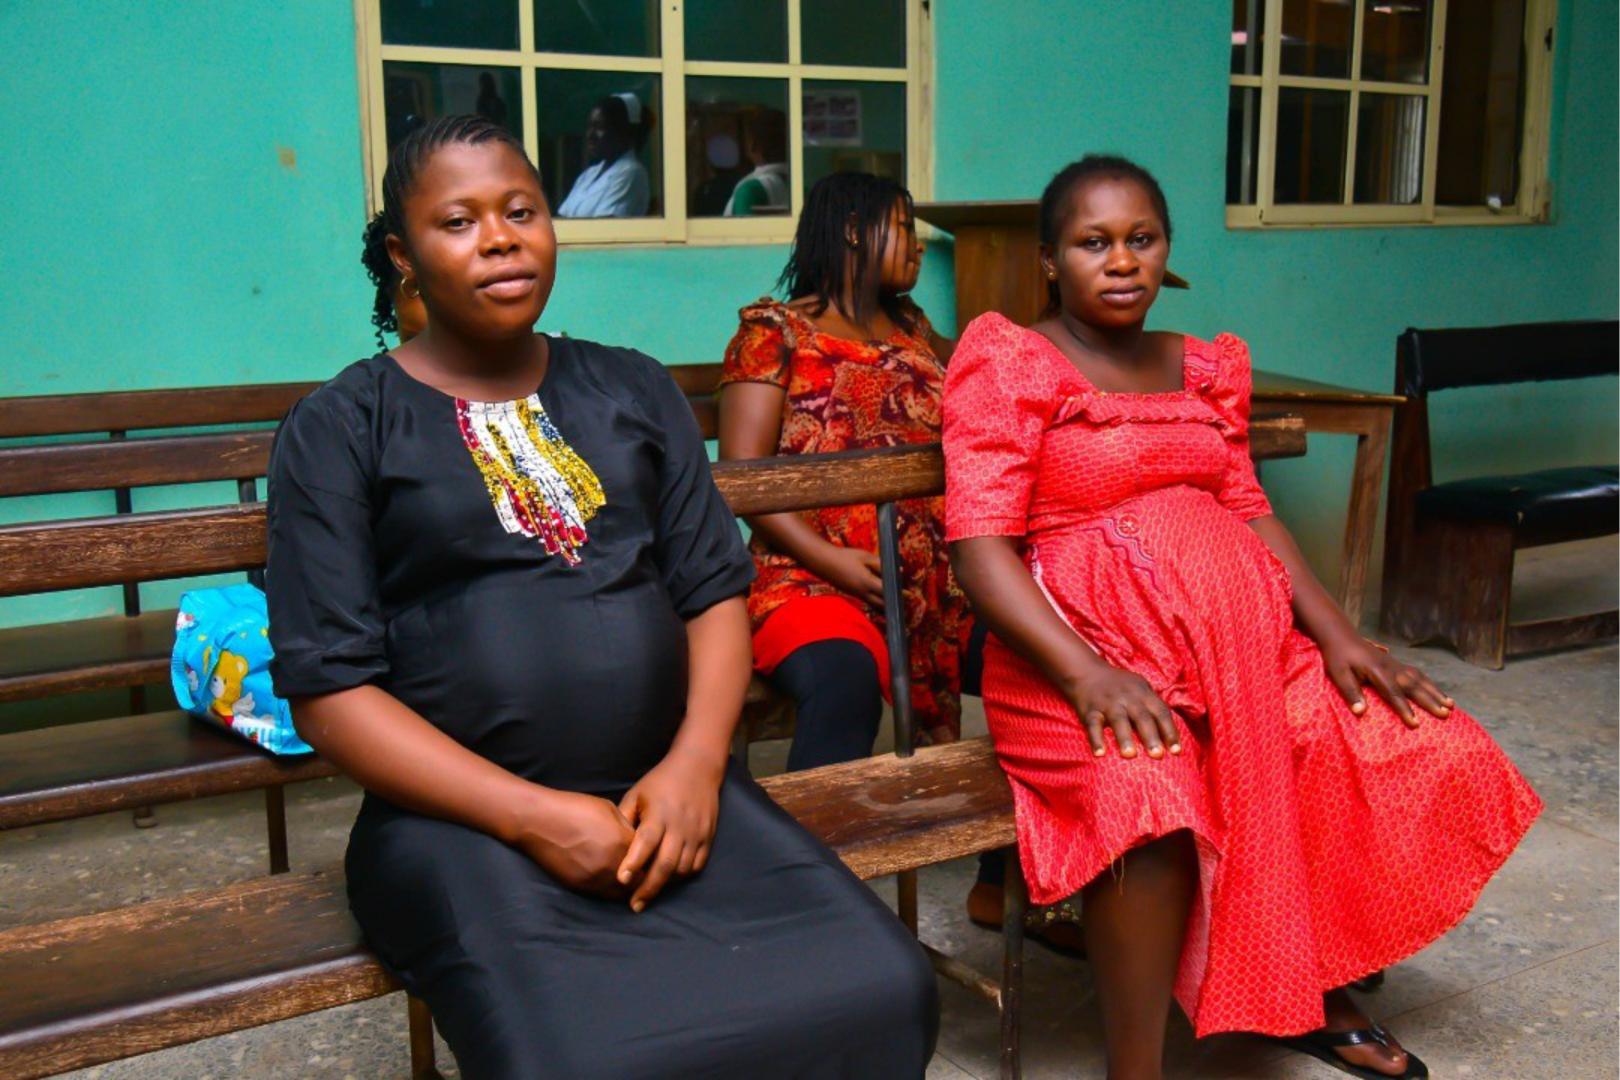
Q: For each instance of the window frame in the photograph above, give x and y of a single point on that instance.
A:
(1533, 205)
(672, 67)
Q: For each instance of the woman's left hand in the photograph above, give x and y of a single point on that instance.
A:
(674, 810)
(1353, 661)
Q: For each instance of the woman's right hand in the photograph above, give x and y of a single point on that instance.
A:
(1123, 700)
(851, 570)
(580, 840)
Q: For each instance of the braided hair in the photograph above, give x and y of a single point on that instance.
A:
(817, 265)
(384, 275)
(411, 153)
(1055, 199)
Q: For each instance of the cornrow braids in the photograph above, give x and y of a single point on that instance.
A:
(1055, 199)
(817, 264)
(411, 153)
(384, 275)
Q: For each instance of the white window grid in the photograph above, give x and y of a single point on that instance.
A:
(672, 67)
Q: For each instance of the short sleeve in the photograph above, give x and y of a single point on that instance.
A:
(1240, 487)
(762, 348)
(326, 623)
(699, 547)
(996, 412)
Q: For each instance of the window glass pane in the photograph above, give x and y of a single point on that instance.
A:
(1316, 38)
(737, 147)
(597, 27)
(1395, 40)
(599, 154)
(465, 24)
(864, 33)
(413, 94)
(742, 30)
(1242, 145)
(1312, 128)
(1248, 25)
(1389, 148)
(854, 127)
(1482, 120)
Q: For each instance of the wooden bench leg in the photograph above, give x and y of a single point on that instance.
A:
(906, 898)
(424, 1066)
(275, 819)
(1475, 583)
(1014, 905)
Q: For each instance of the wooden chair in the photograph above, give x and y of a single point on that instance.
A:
(1448, 561)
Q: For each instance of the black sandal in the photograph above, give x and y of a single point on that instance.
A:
(1324, 1046)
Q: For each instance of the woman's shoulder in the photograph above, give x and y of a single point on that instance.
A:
(607, 364)
(348, 398)
(1223, 359)
(994, 332)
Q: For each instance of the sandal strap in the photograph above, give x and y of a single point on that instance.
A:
(1356, 1037)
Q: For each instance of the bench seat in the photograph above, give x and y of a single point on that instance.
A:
(85, 654)
(95, 988)
(1575, 502)
(76, 770)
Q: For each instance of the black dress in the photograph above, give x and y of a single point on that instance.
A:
(519, 573)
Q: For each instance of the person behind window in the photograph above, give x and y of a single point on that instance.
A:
(1182, 709)
(507, 599)
(725, 169)
(848, 363)
(764, 144)
(614, 182)
(491, 106)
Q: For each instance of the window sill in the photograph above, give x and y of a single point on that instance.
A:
(1248, 218)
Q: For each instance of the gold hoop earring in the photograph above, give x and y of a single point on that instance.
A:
(405, 286)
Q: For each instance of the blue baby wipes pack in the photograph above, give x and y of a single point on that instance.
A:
(221, 667)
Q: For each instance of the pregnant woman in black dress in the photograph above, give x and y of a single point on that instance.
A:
(507, 599)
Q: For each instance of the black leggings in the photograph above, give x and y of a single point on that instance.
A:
(837, 701)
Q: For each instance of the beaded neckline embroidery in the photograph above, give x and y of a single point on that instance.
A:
(540, 487)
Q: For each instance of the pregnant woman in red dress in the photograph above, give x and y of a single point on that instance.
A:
(1173, 694)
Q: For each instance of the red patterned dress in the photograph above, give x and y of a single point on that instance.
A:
(854, 395)
(1330, 845)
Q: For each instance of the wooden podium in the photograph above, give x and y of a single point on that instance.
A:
(997, 258)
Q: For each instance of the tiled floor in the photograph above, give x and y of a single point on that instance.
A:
(1525, 988)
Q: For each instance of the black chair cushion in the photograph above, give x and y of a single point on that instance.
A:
(1579, 501)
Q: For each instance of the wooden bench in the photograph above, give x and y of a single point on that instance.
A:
(96, 988)
(1448, 562)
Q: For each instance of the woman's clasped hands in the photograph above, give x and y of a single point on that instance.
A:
(662, 828)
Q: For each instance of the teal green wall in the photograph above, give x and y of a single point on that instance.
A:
(186, 202)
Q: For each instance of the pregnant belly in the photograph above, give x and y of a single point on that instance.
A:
(1136, 580)
(585, 694)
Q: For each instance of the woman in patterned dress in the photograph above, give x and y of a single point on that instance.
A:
(507, 599)
(1173, 694)
(849, 362)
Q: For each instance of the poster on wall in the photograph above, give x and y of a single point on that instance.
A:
(832, 118)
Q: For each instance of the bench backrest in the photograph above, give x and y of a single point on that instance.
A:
(1430, 360)
(49, 556)
(136, 410)
(57, 468)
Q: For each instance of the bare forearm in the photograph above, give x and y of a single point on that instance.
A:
(1315, 610)
(719, 660)
(391, 750)
(994, 577)
(793, 536)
